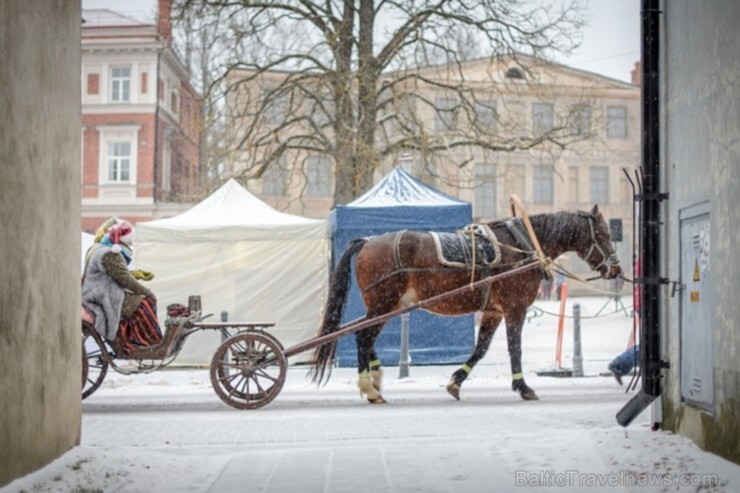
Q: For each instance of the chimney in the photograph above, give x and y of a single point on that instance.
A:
(164, 19)
(637, 74)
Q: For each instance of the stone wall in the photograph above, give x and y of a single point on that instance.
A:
(701, 165)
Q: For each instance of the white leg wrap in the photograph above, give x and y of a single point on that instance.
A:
(367, 389)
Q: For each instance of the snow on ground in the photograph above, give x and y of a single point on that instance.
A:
(168, 432)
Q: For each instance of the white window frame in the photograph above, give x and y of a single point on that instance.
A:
(542, 185)
(275, 179)
(120, 84)
(446, 114)
(486, 115)
(543, 118)
(616, 124)
(110, 134)
(580, 123)
(118, 161)
(318, 176)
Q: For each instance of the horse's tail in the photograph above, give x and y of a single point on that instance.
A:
(324, 354)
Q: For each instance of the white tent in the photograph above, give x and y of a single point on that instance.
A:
(243, 257)
(86, 241)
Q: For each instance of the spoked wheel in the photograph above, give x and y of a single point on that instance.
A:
(248, 370)
(94, 365)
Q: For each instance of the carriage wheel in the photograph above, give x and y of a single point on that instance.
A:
(94, 365)
(248, 370)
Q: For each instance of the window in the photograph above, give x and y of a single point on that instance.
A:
(120, 84)
(323, 111)
(274, 179)
(616, 122)
(485, 116)
(167, 165)
(580, 121)
(445, 117)
(144, 82)
(119, 162)
(514, 73)
(573, 196)
(276, 106)
(318, 174)
(542, 185)
(406, 122)
(485, 190)
(542, 118)
(599, 185)
(174, 102)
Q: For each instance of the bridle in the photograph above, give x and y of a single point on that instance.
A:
(607, 260)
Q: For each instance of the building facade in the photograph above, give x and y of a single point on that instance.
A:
(140, 120)
(598, 116)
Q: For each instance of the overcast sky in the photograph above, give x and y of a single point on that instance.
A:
(611, 42)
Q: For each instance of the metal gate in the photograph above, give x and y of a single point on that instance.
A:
(697, 362)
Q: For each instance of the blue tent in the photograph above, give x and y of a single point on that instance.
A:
(400, 201)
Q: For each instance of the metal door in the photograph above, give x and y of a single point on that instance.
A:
(697, 356)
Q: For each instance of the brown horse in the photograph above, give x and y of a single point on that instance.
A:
(396, 269)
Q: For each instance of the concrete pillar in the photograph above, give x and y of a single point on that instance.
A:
(40, 135)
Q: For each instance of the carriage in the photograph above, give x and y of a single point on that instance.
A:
(245, 348)
(249, 368)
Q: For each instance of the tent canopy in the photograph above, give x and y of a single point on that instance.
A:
(400, 201)
(243, 258)
(231, 213)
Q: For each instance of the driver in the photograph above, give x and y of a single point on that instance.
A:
(121, 306)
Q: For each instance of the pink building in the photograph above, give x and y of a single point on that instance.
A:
(140, 120)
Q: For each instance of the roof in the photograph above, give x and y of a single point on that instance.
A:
(231, 205)
(109, 18)
(398, 188)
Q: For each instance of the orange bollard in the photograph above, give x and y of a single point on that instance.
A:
(561, 320)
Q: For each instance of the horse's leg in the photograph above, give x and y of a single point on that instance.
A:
(365, 339)
(489, 323)
(514, 324)
(376, 371)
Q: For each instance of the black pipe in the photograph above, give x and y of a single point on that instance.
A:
(650, 219)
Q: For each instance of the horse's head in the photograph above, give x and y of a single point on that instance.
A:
(597, 250)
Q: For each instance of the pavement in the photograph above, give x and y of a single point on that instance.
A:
(329, 440)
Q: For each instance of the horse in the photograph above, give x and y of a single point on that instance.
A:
(400, 268)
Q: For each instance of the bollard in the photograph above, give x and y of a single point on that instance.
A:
(577, 355)
(224, 336)
(224, 319)
(404, 359)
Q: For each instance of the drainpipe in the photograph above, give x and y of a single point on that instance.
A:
(650, 220)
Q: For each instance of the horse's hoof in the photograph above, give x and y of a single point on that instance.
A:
(529, 395)
(377, 400)
(454, 390)
(368, 390)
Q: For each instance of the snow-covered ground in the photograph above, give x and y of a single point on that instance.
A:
(168, 432)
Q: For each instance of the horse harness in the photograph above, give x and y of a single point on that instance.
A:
(606, 260)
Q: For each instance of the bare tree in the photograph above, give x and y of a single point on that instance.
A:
(351, 79)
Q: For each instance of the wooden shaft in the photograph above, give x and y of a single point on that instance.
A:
(364, 322)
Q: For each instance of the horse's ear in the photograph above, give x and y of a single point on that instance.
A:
(595, 210)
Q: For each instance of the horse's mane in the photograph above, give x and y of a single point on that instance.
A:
(561, 228)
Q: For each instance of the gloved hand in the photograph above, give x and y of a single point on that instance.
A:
(142, 275)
